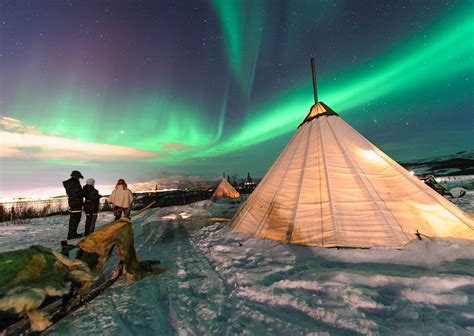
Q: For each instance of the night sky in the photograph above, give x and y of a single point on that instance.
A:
(135, 89)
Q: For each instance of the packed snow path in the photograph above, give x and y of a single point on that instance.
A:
(219, 283)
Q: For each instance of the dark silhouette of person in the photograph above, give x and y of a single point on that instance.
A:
(75, 201)
(91, 205)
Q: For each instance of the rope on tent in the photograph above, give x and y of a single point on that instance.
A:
(419, 235)
(141, 210)
(260, 243)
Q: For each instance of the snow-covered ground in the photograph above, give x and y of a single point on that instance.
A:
(220, 283)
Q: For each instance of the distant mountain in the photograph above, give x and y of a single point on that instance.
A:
(460, 163)
(167, 182)
(170, 182)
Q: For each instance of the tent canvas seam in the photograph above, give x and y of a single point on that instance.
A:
(366, 182)
(267, 213)
(298, 194)
(331, 205)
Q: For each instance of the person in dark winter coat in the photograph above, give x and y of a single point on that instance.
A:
(91, 205)
(75, 200)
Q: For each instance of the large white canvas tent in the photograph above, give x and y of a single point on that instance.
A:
(225, 189)
(331, 187)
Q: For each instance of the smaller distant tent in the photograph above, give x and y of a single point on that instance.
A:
(225, 189)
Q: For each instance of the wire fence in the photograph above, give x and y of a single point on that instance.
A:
(22, 211)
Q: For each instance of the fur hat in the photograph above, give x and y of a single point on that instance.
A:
(90, 181)
(76, 174)
(121, 182)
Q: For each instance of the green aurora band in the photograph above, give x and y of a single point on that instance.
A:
(240, 24)
(182, 128)
(396, 73)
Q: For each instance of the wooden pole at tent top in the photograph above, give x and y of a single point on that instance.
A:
(315, 89)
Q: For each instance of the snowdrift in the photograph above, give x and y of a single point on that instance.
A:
(218, 282)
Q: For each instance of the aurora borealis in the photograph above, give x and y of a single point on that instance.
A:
(133, 89)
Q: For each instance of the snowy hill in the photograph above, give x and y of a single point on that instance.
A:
(461, 163)
(220, 283)
(170, 182)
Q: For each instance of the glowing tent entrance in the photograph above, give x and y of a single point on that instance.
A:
(332, 187)
(225, 189)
